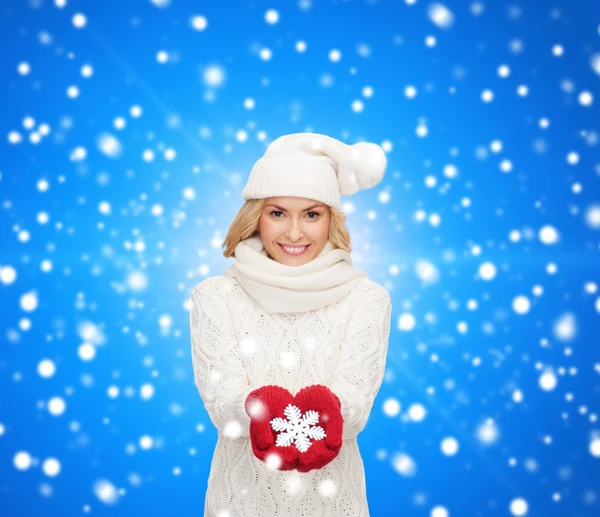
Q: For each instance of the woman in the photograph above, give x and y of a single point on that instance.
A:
(289, 345)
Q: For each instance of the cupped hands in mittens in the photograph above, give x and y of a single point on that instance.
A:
(302, 432)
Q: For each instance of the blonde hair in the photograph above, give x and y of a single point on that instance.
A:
(245, 225)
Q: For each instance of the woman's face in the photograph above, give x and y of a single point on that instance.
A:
(295, 222)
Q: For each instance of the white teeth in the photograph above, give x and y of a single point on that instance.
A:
(294, 250)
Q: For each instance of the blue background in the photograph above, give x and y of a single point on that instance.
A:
(545, 455)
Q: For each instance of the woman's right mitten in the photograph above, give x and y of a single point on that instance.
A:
(262, 406)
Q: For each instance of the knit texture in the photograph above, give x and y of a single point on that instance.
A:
(237, 348)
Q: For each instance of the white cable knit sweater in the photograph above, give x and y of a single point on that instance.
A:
(238, 347)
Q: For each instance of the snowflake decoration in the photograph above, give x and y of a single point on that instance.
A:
(297, 428)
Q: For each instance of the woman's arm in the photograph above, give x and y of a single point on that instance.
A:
(219, 370)
(358, 373)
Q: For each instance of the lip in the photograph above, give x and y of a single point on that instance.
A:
(294, 254)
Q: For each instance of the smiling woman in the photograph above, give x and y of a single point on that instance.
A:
(289, 344)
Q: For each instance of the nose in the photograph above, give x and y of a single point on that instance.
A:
(294, 232)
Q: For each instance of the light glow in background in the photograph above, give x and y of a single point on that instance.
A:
(127, 132)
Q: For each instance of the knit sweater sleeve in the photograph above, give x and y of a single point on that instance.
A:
(219, 371)
(358, 372)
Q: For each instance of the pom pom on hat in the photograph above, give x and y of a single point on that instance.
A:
(370, 163)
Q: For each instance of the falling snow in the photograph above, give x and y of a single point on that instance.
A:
(128, 134)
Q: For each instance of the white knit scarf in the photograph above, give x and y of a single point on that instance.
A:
(278, 287)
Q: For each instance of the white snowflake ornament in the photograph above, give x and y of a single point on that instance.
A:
(297, 428)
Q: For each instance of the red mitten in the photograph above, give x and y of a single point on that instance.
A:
(262, 406)
(305, 431)
(321, 399)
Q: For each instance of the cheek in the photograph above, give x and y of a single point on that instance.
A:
(268, 228)
(323, 227)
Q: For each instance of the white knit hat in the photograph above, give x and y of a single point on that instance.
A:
(316, 167)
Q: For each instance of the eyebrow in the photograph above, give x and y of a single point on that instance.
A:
(305, 210)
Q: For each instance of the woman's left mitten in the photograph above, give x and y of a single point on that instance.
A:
(326, 404)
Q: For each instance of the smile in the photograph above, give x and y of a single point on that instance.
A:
(294, 250)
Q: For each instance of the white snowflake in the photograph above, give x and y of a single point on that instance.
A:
(297, 428)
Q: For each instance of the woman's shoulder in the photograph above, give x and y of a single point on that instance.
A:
(368, 296)
(214, 285)
(369, 289)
